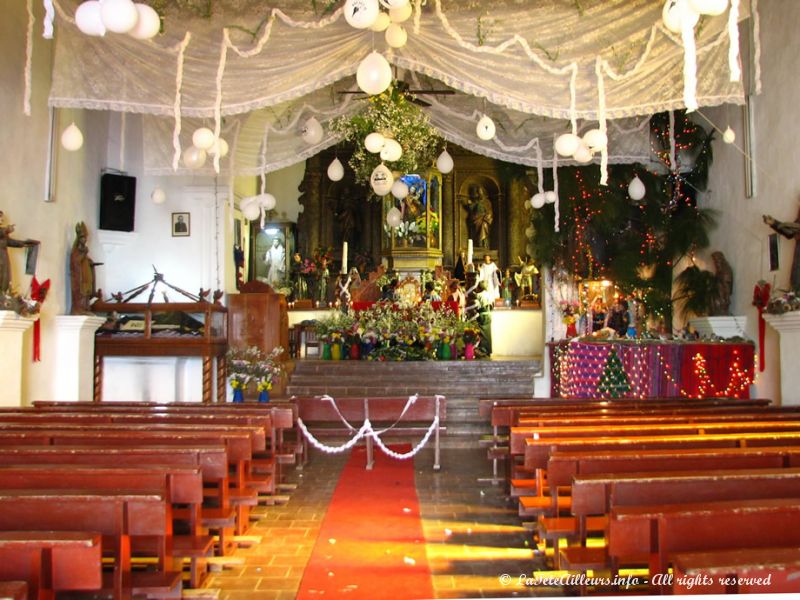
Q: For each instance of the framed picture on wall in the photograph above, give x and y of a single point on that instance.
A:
(181, 224)
(270, 253)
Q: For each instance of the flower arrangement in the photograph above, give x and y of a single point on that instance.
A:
(393, 115)
(570, 311)
(783, 302)
(252, 364)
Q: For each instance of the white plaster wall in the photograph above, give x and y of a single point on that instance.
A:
(741, 235)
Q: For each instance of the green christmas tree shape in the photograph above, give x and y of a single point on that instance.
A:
(614, 381)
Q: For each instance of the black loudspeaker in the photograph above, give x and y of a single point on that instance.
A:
(117, 202)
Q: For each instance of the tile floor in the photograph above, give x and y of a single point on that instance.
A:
(473, 534)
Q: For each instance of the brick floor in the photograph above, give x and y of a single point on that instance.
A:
(473, 533)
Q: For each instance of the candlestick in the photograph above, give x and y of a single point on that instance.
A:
(469, 251)
(344, 257)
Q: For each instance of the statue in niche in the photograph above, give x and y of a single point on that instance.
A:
(481, 215)
(791, 231)
(81, 272)
(347, 205)
(7, 242)
(721, 303)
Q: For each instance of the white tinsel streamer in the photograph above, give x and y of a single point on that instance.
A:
(223, 57)
(417, 14)
(327, 398)
(689, 66)
(557, 215)
(49, 17)
(672, 152)
(539, 168)
(413, 451)
(176, 109)
(26, 101)
(231, 172)
(733, 45)
(756, 46)
(365, 429)
(122, 128)
(601, 117)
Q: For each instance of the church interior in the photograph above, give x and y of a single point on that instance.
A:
(399, 299)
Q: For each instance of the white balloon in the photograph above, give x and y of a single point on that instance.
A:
(636, 189)
(381, 180)
(567, 144)
(399, 189)
(119, 16)
(729, 136)
(148, 25)
(374, 142)
(381, 22)
(530, 232)
(312, 131)
(220, 147)
(158, 196)
(267, 201)
(361, 13)
(251, 209)
(88, 18)
(203, 138)
(537, 200)
(374, 75)
(396, 36)
(391, 150)
(336, 170)
(550, 197)
(445, 162)
(583, 155)
(709, 7)
(595, 139)
(394, 217)
(674, 14)
(72, 138)
(194, 157)
(403, 13)
(485, 128)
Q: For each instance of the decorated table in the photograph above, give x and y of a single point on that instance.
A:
(651, 369)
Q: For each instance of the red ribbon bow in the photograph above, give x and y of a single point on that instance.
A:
(761, 295)
(38, 293)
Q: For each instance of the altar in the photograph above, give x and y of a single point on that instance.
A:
(651, 369)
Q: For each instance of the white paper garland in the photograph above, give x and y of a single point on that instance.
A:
(556, 207)
(26, 100)
(49, 17)
(689, 65)
(733, 41)
(176, 134)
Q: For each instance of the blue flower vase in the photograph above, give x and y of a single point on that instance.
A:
(263, 396)
(238, 395)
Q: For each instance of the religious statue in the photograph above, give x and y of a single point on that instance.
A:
(525, 277)
(322, 283)
(275, 260)
(81, 272)
(490, 275)
(507, 287)
(721, 303)
(343, 282)
(7, 242)
(299, 283)
(481, 214)
(791, 231)
(346, 210)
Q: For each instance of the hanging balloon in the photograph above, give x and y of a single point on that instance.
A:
(550, 197)
(72, 138)
(567, 144)
(394, 217)
(220, 147)
(709, 7)
(729, 136)
(158, 196)
(148, 25)
(267, 201)
(374, 142)
(595, 139)
(374, 75)
(194, 157)
(361, 13)
(203, 138)
(485, 128)
(89, 20)
(675, 12)
(396, 36)
(381, 22)
(636, 189)
(400, 14)
(119, 16)
(336, 170)
(445, 162)
(583, 155)
(537, 200)
(312, 131)
(381, 180)
(251, 209)
(391, 151)
(399, 189)
(530, 232)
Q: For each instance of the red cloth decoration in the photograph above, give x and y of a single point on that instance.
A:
(38, 293)
(761, 294)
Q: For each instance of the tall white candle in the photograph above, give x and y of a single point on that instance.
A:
(469, 252)
(344, 257)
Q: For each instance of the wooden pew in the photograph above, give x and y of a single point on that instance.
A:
(51, 561)
(324, 419)
(116, 516)
(13, 590)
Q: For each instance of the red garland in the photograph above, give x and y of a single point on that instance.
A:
(38, 294)
(761, 294)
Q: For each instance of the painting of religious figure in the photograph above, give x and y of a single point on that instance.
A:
(271, 249)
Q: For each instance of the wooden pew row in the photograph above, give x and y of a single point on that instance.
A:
(184, 484)
(526, 419)
(115, 516)
(51, 561)
(13, 590)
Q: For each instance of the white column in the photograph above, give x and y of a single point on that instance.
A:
(788, 327)
(74, 373)
(12, 331)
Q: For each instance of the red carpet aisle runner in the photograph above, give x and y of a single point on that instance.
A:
(371, 543)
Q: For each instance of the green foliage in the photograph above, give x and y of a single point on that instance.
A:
(697, 291)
